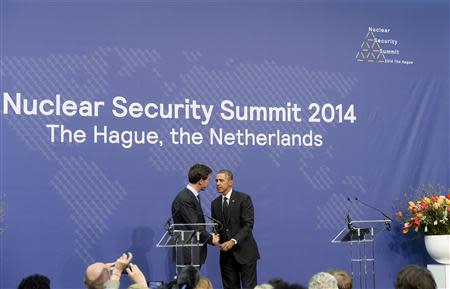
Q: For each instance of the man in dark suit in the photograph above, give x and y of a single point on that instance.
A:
(187, 209)
(238, 251)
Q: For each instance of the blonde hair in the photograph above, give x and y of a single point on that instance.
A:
(343, 278)
(204, 283)
(323, 280)
(264, 286)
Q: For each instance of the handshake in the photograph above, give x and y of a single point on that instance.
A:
(215, 239)
(225, 246)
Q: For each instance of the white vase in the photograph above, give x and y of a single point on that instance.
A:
(438, 246)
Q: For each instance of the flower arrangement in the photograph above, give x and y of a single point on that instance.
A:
(428, 215)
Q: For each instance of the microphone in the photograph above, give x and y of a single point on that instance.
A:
(215, 230)
(168, 223)
(215, 221)
(349, 222)
(171, 230)
(167, 226)
(386, 217)
(347, 218)
(199, 229)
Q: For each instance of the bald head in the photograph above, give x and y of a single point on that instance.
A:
(96, 276)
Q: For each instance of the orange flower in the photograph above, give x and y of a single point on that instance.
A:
(424, 205)
(405, 228)
(429, 210)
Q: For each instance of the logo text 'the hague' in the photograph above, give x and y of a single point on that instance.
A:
(379, 47)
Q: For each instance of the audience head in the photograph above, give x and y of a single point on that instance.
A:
(170, 285)
(414, 277)
(204, 283)
(343, 278)
(264, 286)
(188, 278)
(96, 276)
(323, 280)
(296, 286)
(278, 283)
(35, 281)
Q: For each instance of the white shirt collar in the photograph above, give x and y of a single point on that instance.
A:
(228, 196)
(190, 188)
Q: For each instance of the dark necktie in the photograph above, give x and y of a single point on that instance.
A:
(202, 218)
(225, 208)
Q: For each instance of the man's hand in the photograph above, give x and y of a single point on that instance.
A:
(110, 266)
(215, 239)
(120, 265)
(227, 245)
(136, 275)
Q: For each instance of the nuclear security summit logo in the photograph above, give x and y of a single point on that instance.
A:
(379, 46)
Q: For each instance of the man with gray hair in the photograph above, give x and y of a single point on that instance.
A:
(107, 276)
(323, 280)
(238, 251)
(97, 275)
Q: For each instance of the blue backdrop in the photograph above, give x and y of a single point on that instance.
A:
(66, 205)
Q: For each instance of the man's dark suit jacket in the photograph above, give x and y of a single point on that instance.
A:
(238, 226)
(186, 209)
